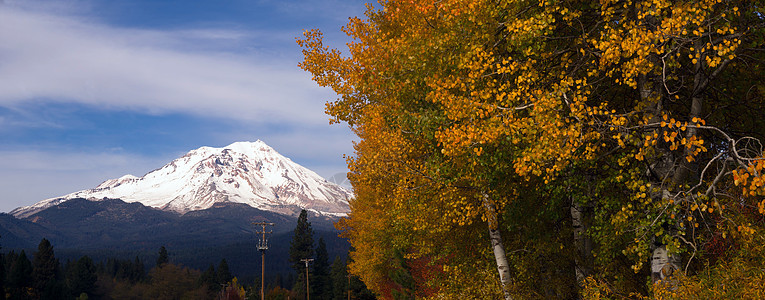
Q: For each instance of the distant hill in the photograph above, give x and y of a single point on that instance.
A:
(19, 234)
(114, 228)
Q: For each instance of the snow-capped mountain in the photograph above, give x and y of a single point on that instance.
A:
(244, 172)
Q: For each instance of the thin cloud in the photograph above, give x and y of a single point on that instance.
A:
(64, 161)
(31, 176)
(59, 52)
(61, 58)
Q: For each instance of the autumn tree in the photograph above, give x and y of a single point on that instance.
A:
(171, 281)
(631, 122)
(427, 191)
(232, 290)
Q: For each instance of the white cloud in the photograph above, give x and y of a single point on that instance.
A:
(63, 58)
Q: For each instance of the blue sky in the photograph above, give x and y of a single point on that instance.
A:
(92, 90)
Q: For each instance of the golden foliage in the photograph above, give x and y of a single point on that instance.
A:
(455, 99)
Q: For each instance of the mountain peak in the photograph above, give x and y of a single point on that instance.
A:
(251, 173)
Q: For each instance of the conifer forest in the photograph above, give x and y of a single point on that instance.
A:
(42, 275)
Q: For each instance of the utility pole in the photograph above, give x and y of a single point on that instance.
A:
(349, 285)
(307, 292)
(262, 247)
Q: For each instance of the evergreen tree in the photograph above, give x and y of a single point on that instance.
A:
(121, 269)
(111, 267)
(209, 279)
(81, 276)
(301, 247)
(45, 271)
(359, 290)
(224, 274)
(163, 257)
(290, 281)
(20, 276)
(340, 283)
(339, 277)
(321, 284)
(138, 271)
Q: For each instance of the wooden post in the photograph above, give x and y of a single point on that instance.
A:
(349, 285)
(307, 291)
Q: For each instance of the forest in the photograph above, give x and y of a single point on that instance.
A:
(553, 149)
(43, 276)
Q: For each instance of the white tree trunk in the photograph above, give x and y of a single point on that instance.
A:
(496, 245)
(662, 265)
(582, 243)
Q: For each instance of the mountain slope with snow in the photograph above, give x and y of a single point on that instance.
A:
(251, 173)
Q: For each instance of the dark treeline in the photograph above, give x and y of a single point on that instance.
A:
(42, 275)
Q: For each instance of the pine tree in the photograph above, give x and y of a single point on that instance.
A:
(81, 277)
(321, 284)
(360, 291)
(20, 276)
(224, 274)
(339, 275)
(209, 279)
(301, 247)
(163, 257)
(45, 271)
(138, 271)
(111, 267)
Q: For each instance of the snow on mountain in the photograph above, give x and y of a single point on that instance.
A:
(244, 172)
